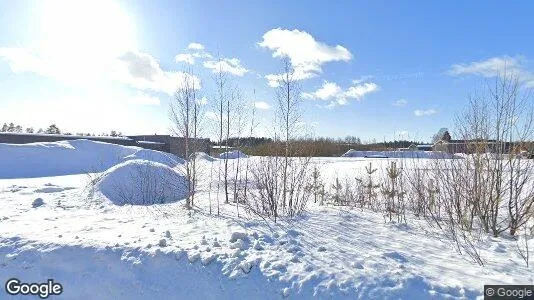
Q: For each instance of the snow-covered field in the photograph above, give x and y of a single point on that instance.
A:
(98, 248)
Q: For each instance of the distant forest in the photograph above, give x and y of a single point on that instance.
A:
(52, 129)
(312, 146)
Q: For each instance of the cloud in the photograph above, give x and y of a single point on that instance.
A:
(328, 91)
(195, 46)
(363, 79)
(69, 69)
(400, 102)
(427, 112)
(140, 65)
(142, 71)
(306, 54)
(227, 65)
(137, 69)
(202, 101)
(262, 105)
(332, 92)
(144, 99)
(496, 66)
(185, 57)
(360, 90)
(273, 80)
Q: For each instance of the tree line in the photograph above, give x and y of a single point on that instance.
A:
(52, 129)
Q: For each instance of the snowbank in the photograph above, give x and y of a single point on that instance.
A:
(59, 158)
(232, 155)
(167, 159)
(398, 154)
(202, 156)
(142, 182)
(71, 157)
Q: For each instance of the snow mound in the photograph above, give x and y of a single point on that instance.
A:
(59, 158)
(72, 157)
(232, 155)
(142, 182)
(167, 159)
(202, 156)
(398, 154)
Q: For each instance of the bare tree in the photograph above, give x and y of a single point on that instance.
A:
(288, 96)
(282, 178)
(221, 81)
(253, 125)
(184, 114)
(495, 129)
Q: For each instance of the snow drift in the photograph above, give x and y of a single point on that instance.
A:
(202, 156)
(167, 159)
(71, 157)
(142, 182)
(232, 155)
(398, 154)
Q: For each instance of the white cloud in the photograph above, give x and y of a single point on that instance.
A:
(69, 69)
(306, 54)
(195, 46)
(198, 51)
(360, 90)
(144, 99)
(363, 79)
(202, 54)
(273, 80)
(137, 69)
(227, 65)
(262, 105)
(142, 71)
(185, 57)
(496, 66)
(427, 112)
(400, 102)
(328, 91)
(202, 101)
(332, 92)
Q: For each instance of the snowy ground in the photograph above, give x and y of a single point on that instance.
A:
(100, 250)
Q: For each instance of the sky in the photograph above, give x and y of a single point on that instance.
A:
(373, 69)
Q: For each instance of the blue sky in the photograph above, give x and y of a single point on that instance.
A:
(377, 70)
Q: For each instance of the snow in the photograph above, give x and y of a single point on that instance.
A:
(398, 154)
(232, 155)
(59, 158)
(202, 156)
(110, 251)
(71, 157)
(142, 182)
(168, 159)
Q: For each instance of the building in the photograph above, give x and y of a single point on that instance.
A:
(424, 147)
(473, 146)
(164, 143)
(414, 147)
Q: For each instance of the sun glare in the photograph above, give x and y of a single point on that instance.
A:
(96, 29)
